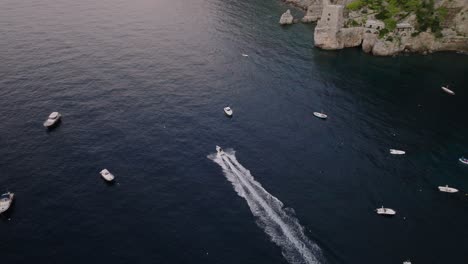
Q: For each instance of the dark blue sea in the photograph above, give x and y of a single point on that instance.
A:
(141, 86)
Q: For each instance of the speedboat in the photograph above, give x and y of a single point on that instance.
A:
(385, 211)
(320, 115)
(107, 175)
(228, 111)
(397, 152)
(219, 150)
(447, 90)
(447, 189)
(244, 55)
(53, 118)
(5, 201)
(463, 160)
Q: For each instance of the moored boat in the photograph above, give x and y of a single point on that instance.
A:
(320, 115)
(228, 111)
(53, 118)
(385, 211)
(397, 152)
(5, 201)
(107, 175)
(447, 189)
(447, 90)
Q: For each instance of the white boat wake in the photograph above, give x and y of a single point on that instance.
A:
(279, 223)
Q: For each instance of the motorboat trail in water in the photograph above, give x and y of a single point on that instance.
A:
(463, 160)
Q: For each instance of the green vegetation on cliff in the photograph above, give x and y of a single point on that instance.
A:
(391, 11)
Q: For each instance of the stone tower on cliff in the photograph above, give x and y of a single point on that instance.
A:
(328, 26)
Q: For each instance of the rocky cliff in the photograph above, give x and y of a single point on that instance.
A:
(389, 27)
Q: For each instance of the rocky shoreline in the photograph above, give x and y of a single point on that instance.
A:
(341, 25)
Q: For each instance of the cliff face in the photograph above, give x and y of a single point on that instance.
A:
(447, 30)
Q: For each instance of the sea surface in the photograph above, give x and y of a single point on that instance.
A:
(141, 86)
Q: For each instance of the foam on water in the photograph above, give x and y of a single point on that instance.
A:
(279, 223)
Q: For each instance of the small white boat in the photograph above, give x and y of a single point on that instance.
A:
(5, 201)
(107, 175)
(228, 111)
(447, 90)
(447, 189)
(407, 262)
(397, 152)
(320, 115)
(53, 118)
(385, 211)
(463, 160)
(219, 150)
(244, 55)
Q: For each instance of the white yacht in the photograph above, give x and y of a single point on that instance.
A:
(447, 90)
(228, 111)
(385, 211)
(53, 118)
(447, 189)
(320, 115)
(107, 175)
(397, 152)
(5, 201)
(244, 55)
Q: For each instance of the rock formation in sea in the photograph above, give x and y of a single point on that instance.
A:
(286, 18)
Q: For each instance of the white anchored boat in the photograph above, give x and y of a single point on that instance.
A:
(385, 211)
(244, 55)
(228, 111)
(447, 189)
(397, 152)
(447, 90)
(107, 175)
(463, 160)
(5, 201)
(53, 118)
(407, 262)
(320, 115)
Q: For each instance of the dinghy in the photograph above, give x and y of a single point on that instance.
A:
(385, 211)
(320, 115)
(447, 189)
(107, 175)
(447, 90)
(463, 160)
(53, 118)
(228, 111)
(397, 152)
(5, 201)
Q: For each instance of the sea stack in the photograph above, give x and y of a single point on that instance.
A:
(286, 18)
